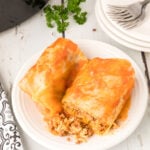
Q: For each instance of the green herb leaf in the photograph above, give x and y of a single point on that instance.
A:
(80, 17)
(48, 15)
(59, 14)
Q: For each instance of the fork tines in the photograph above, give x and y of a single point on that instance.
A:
(123, 16)
(129, 24)
(119, 13)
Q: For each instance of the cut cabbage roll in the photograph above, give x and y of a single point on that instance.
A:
(99, 92)
(54, 71)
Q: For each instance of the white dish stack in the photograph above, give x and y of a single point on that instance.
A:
(137, 38)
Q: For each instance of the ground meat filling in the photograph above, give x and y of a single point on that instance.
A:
(64, 125)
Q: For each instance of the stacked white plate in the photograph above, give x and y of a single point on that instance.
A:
(137, 38)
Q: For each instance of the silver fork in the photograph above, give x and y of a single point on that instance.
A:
(128, 16)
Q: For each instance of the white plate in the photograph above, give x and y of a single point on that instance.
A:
(117, 35)
(31, 120)
(140, 32)
(110, 32)
(135, 35)
(120, 32)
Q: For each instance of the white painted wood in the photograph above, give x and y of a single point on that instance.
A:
(20, 43)
(148, 61)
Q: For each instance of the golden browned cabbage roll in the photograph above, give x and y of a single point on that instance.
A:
(54, 71)
(99, 92)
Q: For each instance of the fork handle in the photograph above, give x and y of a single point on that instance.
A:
(145, 2)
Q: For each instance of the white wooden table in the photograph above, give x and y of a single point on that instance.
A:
(20, 43)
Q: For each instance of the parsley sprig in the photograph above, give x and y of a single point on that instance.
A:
(59, 14)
